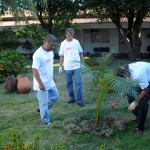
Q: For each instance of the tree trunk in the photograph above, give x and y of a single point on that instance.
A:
(134, 48)
(136, 44)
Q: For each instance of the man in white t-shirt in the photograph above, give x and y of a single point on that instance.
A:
(43, 81)
(139, 72)
(71, 54)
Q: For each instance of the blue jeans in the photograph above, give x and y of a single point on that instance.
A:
(76, 76)
(46, 101)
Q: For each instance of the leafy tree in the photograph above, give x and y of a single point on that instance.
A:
(118, 10)
(48, 12)
(16, 6)
(54, 12)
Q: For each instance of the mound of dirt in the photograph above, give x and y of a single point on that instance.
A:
(107, 126)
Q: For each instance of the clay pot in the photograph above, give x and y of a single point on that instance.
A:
(23, 84)
(11, 84)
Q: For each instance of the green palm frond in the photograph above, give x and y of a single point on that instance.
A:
(123, 87)
(104, 60)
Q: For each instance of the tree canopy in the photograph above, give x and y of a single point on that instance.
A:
(118, 11)
(61, 12)
(48, 12)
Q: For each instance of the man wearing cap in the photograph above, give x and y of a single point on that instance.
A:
(140, 72)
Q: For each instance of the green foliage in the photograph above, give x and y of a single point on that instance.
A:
(1, 69)
(91, 61)
(59, 146)
(47, 12)
(16, 142)
(8, 40)
(60, 27)
(33, 31)
(4, 44)
(12, 63)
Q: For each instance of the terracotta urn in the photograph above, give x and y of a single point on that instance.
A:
(23, 84)
(11, 84)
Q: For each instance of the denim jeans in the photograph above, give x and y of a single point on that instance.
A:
(74, 75)
(46, 101)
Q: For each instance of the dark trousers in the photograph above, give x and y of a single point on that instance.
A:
(142, 109)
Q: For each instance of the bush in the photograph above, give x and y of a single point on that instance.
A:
(4, 44)
(16, 142)
(91, 61)
(12, 63)
(33, 31)
(8, 40)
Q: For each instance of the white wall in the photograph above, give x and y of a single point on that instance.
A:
(113, 42)
(145, 40)
(84, 36)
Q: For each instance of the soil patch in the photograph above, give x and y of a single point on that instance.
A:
(107, 126)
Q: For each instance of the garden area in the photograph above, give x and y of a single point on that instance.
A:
(104, 123)
(73, 127)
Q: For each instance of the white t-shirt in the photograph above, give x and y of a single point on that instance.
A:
(70, 50)
(140, 72)
(43, 62)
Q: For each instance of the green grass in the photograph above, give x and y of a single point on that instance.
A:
(18, 111)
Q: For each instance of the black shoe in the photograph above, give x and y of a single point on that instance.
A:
(71, 101)
(38, 109)
(48, 123)
(80, 104)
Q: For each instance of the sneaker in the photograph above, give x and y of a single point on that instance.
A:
(71, 101)
(80, 104)
(38, 109)
(138, 131)
(48, 123)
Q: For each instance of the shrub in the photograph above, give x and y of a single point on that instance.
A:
(4, 44)
(8, 40)
(33, 31)
(16, 142)
(12, 63)
(91, 61)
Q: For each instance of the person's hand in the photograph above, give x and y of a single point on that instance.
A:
(42, 87)
(132, 106)
(60, 69)
(82, 67)
(114, 105)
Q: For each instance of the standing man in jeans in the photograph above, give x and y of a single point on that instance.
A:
(139, 72)
(43, 81)
(71, 54)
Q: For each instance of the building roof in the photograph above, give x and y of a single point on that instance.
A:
(95, 20)
(8, 20)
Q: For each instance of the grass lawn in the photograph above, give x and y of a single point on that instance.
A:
(18, 111)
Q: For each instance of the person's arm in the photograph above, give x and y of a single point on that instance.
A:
(60, 64)
(137, 101)
(61, 60)
(143, 92)
(81, 57)
(37, 77)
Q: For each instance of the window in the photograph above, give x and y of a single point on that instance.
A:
(99, 36)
